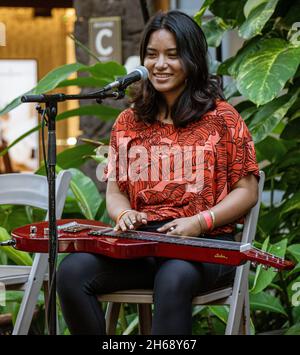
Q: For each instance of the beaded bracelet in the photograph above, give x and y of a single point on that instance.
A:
(121, 214)
(213, 219)
(207, 215)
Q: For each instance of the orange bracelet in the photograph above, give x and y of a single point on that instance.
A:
(208, 219)
(121, 214)
(213, 219)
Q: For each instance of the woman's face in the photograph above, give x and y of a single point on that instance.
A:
(166, 72)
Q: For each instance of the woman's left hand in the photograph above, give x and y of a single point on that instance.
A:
(186, 226)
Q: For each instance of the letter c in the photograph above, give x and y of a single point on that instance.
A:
(98, 42)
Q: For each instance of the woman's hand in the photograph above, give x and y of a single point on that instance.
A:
(186, 226)
(131, 220)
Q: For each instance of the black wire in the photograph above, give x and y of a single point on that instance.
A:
(145, 10)
(53, 276)
(44, 122)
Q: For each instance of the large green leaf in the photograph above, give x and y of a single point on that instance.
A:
(221, 312)
(263, 278)
(107, 71)
(200, 13)
(292, 129)
(291, 204)
(104, 112)
(263, 74)
(294, 330)
(231, 11)
(49, 82)
(266, 302)
(294, 249)
(56, 76)
(251, 5)
(84, 82)
(17, 256)
(73, 157)
(271, 149)
(268, 117)
(86, 193)
(257, 19)
(232, 65)
(214, 30)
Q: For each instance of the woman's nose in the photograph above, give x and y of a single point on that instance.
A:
(161, 62)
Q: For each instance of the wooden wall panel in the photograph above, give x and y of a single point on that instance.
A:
(44, 39)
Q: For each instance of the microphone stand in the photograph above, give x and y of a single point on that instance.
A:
(51, 112)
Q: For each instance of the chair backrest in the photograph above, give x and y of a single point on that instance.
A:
(32, 190)
(250, 223)
(239, 299)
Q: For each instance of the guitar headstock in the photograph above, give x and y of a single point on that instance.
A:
(257, 256)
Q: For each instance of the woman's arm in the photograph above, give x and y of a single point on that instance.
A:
(238, 202)
(116, 201)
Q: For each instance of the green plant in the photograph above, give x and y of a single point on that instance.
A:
(265, 79)
(84, 199)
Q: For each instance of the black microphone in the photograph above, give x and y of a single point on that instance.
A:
(136, 75)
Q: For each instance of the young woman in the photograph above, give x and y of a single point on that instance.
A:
(182, 163)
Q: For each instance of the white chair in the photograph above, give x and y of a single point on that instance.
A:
(30, 190)
(236, 296)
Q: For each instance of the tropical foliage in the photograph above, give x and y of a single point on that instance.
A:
(263, 85)
(264, 80)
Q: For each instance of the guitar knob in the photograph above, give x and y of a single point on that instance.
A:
(33, 231)
(46, 232)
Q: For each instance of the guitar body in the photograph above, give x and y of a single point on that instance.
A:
(120, 248)
(88, 236)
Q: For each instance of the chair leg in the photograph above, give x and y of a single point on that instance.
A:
(238, 301)
(32, 289)
(145, 318)
(111, 317)
(245, 317)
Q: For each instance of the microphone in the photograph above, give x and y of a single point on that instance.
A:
(136, 75)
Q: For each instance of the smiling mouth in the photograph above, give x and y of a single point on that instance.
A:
(162, 76)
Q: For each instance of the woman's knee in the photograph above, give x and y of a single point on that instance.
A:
(176, 277)
(74, 270)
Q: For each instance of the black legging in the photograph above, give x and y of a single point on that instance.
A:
(82, 276)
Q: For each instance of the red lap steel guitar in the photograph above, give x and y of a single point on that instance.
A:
(96, 237)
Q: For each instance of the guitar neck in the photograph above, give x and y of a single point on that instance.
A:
(261, 257)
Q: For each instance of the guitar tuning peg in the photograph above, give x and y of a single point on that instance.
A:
(274, 269)
(253, 263)
(266, 267)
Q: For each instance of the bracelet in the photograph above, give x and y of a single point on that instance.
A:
(207, 215)
(213, 219)
(121, 214)
(200, 222)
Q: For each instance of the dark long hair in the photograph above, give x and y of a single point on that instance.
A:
(202, 89)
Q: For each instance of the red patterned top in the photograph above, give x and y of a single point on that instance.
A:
(171, 172)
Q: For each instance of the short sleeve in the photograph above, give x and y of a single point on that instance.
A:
(116, 170)
(241, 156)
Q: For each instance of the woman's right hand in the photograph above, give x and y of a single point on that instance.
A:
(131, 220)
